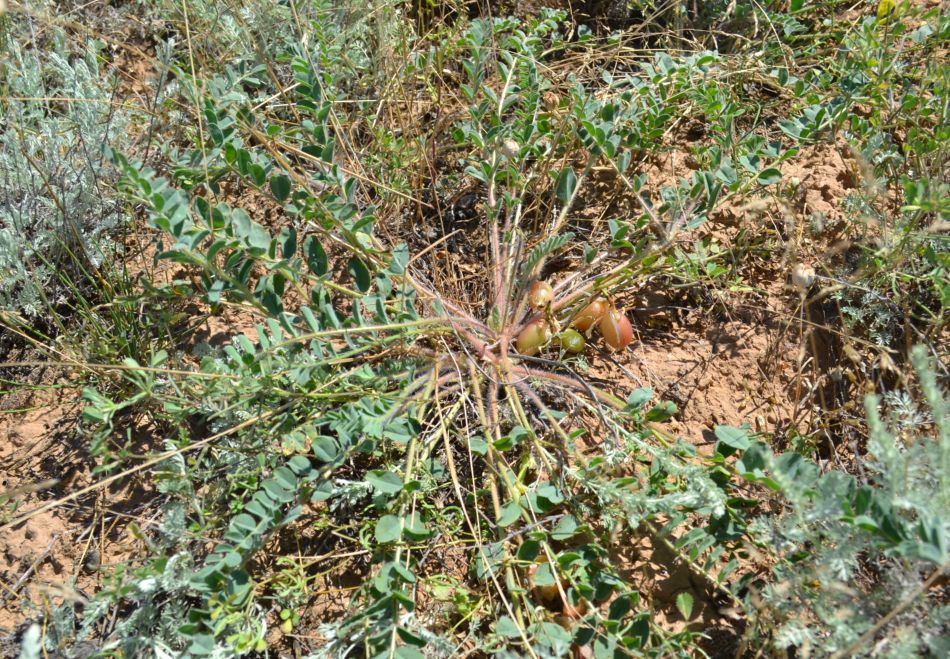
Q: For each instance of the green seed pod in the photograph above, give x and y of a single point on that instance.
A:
(572, 341)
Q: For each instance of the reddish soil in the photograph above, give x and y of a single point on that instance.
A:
(38, 558)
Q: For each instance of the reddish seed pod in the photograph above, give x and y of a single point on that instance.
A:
(547, 593)
(617, 330)
(574, 611)
(564, 621)
(510, 148)
(534, 335)
(581, 651)
(540, 294)
(591, 314)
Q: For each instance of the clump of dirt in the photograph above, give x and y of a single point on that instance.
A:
(32, 554)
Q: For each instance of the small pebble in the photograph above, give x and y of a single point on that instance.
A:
(92, 562)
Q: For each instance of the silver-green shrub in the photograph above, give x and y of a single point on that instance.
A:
(858, 555)
(56, 205)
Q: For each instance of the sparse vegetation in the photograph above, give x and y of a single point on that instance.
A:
(354, 307)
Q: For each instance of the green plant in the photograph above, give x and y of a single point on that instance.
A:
(386, 415)
(394, 415)
(879, 87)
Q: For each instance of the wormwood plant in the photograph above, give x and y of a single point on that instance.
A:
(56, 206)
(859, 557)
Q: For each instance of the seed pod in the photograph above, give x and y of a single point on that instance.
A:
(535, 334)
(510, 148)
(547, 593)
(582, 652)
(540, 294)
(574, 611)
(591, 314)
(572, 341)
(564, 621)
(803, 277)
(617, 330)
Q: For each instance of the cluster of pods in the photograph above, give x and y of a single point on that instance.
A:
(600, 313)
